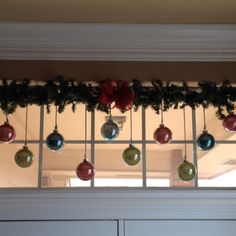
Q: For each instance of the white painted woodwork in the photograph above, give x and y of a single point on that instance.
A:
(117, 42)
(59, 228)
(180, 228)
(129, 203)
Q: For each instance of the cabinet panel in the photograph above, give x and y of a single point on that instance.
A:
(59, 228)
(180, 228)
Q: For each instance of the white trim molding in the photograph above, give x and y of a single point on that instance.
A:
(85, 204)
(117, 42)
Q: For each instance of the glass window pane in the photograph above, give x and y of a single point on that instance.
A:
(163, 162)
(17, 120)
(59, 168)
(173, 119)
(112, 171)
(213, 124)
(123, 122)
(70, 124)
(217, 167)
(13, 176)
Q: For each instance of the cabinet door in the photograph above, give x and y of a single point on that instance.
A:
(59, 228)
(180, 228)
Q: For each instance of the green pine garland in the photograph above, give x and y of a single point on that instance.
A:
(62, 92)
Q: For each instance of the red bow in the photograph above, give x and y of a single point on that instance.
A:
(118, 92)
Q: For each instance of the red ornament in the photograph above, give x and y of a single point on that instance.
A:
(229, 122)
(117, 92)
(7, 133)
(162, 134)
(85, 170)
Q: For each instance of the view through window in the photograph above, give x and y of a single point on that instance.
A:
(159, 164)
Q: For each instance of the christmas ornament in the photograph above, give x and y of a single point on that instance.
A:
(131, 155)
(7, 133)
(162, 135)
(205, 141)
(229, 122)
(85, 170)
(55, 141)
(186, 171)
(110, 129)
(24, 157)
(117, 92)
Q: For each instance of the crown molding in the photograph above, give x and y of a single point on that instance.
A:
(58, 204)
(117, 42)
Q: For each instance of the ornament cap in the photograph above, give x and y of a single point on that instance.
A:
(161, 125)
(25, 147)
(55, 130)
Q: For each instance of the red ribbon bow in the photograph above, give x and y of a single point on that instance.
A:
(117, 92)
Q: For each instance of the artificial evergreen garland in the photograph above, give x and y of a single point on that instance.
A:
(61, 92)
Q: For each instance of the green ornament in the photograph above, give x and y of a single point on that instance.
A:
(132, 155)
(187, 171)
(24, 157)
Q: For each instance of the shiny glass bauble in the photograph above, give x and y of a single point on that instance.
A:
(7, 133)
(229, 122)
(162, 134)
(205, 141)
(131, 155)
(186, 171)
(55, 141)
(85, 170)
(24, 157)
(110, 130)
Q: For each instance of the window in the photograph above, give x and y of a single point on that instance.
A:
(159, 164)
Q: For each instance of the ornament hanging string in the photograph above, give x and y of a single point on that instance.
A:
(7, 118)
(131, 127)
(185, 145)
(110, 112)
(56, 118)
(204, 118)
(85, 134)
(26, 124)
(162, 112)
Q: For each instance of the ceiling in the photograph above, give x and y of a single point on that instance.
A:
(122, 11)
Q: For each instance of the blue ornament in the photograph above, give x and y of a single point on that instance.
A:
(110, 129)
(205, 141)
(55, 141)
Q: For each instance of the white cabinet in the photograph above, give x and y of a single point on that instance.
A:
(58, 228)
(180, 228)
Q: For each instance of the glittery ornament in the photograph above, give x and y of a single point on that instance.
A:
(55, 141)
(7, 133)
(205, 141)
(24, 157)
(162, 134)
(229, 122)
(186, 171)
(131, 155)
(110, 129)
(85, 170)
